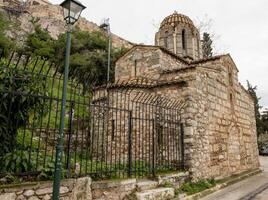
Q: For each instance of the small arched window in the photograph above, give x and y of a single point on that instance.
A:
(230, 74)
(135, 67)
(232, 101)
(198, 46)
(166, 39)
(183, 39)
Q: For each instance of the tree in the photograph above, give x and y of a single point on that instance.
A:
(253, 93)
(88, 60)
(264, 119)
(40, 43)
(207, 45)
(5, 42)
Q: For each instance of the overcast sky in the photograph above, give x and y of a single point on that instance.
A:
(242, 27)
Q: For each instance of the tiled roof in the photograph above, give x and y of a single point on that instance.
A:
(175, 19)
(140, 82)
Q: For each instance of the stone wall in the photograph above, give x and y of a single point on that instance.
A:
(152, 122)
(145, 61)
(220, 128)
(73, 189)
(220, 122)
(84, 189)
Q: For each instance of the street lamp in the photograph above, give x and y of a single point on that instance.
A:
(72, 10)
(106, 26)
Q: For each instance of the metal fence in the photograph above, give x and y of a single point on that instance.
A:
(115, 134)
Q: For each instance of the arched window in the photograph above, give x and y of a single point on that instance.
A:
(230, 74)
(232, 101)
(166, 39)
(135, 68)
(183, 39)
(198, 46)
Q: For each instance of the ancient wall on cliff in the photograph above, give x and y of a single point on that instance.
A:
(51, 18)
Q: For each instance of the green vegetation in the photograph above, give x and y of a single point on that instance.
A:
(5, 42)
(261, 121)
(39, 43)
(30, 99)
(264, 119)
(88, 60)
(195, 187)
(207, 45)
(89, 52)
(16, 110)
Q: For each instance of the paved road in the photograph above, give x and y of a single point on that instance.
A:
(253, 188)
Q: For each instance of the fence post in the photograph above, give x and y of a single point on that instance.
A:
(182, 146)
(153, 156)
(130, 144)
(70, 138)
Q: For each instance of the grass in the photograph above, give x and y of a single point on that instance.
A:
(196, 187)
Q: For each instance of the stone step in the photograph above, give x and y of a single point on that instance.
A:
(174, 177)
(143, 185)
(156, 194)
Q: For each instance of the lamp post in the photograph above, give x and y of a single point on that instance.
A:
(72, 10)
(106, 26)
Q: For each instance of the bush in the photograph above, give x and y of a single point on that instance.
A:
(16, 162)
(18, 100)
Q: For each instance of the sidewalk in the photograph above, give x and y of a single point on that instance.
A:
(245, 189)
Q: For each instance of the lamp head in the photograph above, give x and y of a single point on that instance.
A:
(72, 10)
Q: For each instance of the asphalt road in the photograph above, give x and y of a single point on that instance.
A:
(253, 188)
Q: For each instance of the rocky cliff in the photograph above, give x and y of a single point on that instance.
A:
(51, 18)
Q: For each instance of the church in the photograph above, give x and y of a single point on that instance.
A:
(218, 114)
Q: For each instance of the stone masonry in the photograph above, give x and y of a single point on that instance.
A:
(220, 128)
(72, 189)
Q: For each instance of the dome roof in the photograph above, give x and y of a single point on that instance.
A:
(175, 19)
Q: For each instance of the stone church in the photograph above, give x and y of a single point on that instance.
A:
(220, 129)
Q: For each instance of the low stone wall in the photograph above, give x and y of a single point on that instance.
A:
(85, 189)
(72, 189)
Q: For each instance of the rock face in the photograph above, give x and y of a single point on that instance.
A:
(50, 18)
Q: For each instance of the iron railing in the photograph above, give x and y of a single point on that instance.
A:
(111, 134)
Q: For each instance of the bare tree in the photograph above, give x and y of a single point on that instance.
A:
(205, 27)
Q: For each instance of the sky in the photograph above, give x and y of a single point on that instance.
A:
(240, 28)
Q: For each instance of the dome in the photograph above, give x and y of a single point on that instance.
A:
(175, 19)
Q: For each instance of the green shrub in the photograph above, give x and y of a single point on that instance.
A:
(16, 162)
(17, 108)
(195, 187)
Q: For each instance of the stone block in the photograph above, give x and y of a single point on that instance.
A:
(82, 189)
(156, 194)
(28, 193)
(21, 197)
(33, 198)
(8, 196)
(46, 197)
(44, 191)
